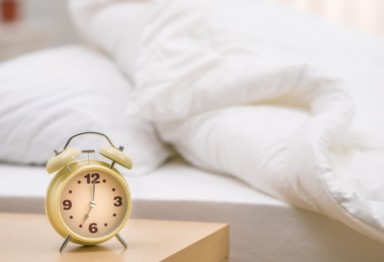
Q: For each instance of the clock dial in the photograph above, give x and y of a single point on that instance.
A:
(93, 204)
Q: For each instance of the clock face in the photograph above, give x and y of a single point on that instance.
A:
(94, 204)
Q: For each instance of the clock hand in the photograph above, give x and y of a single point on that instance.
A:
(86, 216)
(92, 202)
(93, 192)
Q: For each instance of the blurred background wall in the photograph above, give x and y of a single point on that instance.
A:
(367, 15)
(38, 24)
(28, 25)
(53, 12)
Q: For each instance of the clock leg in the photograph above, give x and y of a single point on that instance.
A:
(65, 243)
(122, 241)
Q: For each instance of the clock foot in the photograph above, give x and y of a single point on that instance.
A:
(122, 241)
(65, 243)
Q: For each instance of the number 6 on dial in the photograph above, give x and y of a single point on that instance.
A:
(88, 201)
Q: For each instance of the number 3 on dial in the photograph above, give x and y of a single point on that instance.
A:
(119, 201)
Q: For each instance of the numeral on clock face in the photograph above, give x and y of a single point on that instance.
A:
(93, 228)
(95, 179)
(119, 201)
(67, 204)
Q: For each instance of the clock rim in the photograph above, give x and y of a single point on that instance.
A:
(55, 190)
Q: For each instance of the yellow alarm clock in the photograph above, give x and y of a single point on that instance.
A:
(88, 201)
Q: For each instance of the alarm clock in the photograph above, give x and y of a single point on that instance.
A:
(88, 201)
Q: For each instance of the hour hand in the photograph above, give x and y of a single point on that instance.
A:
(86, 216)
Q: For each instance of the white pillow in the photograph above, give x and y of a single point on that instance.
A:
(114, 26)
(46, 97)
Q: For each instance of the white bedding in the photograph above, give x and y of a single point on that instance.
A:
(282, 101)
(262, 228)
(49, 95)
(260, 92)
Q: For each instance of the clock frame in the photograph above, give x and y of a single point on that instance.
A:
(55, 190)
(68, 170)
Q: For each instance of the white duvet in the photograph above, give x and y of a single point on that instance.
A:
(283, 101)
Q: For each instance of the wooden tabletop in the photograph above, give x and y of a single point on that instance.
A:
(30, 237)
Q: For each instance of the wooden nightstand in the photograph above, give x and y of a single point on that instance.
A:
(27, 237)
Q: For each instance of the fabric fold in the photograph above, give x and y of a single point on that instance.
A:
(276, 98)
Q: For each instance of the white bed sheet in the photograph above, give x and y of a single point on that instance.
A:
(262, 228)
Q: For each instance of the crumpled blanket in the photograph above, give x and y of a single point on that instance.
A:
(285, 102)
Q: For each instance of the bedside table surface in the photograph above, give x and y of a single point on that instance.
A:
(30, 237)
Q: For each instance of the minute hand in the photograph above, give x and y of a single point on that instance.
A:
(93, 192)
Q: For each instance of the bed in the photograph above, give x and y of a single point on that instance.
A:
(261, 227)
(130, 85)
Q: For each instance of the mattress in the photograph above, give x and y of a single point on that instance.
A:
(261, 227)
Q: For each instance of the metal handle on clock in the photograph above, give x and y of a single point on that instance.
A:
(89, 133)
